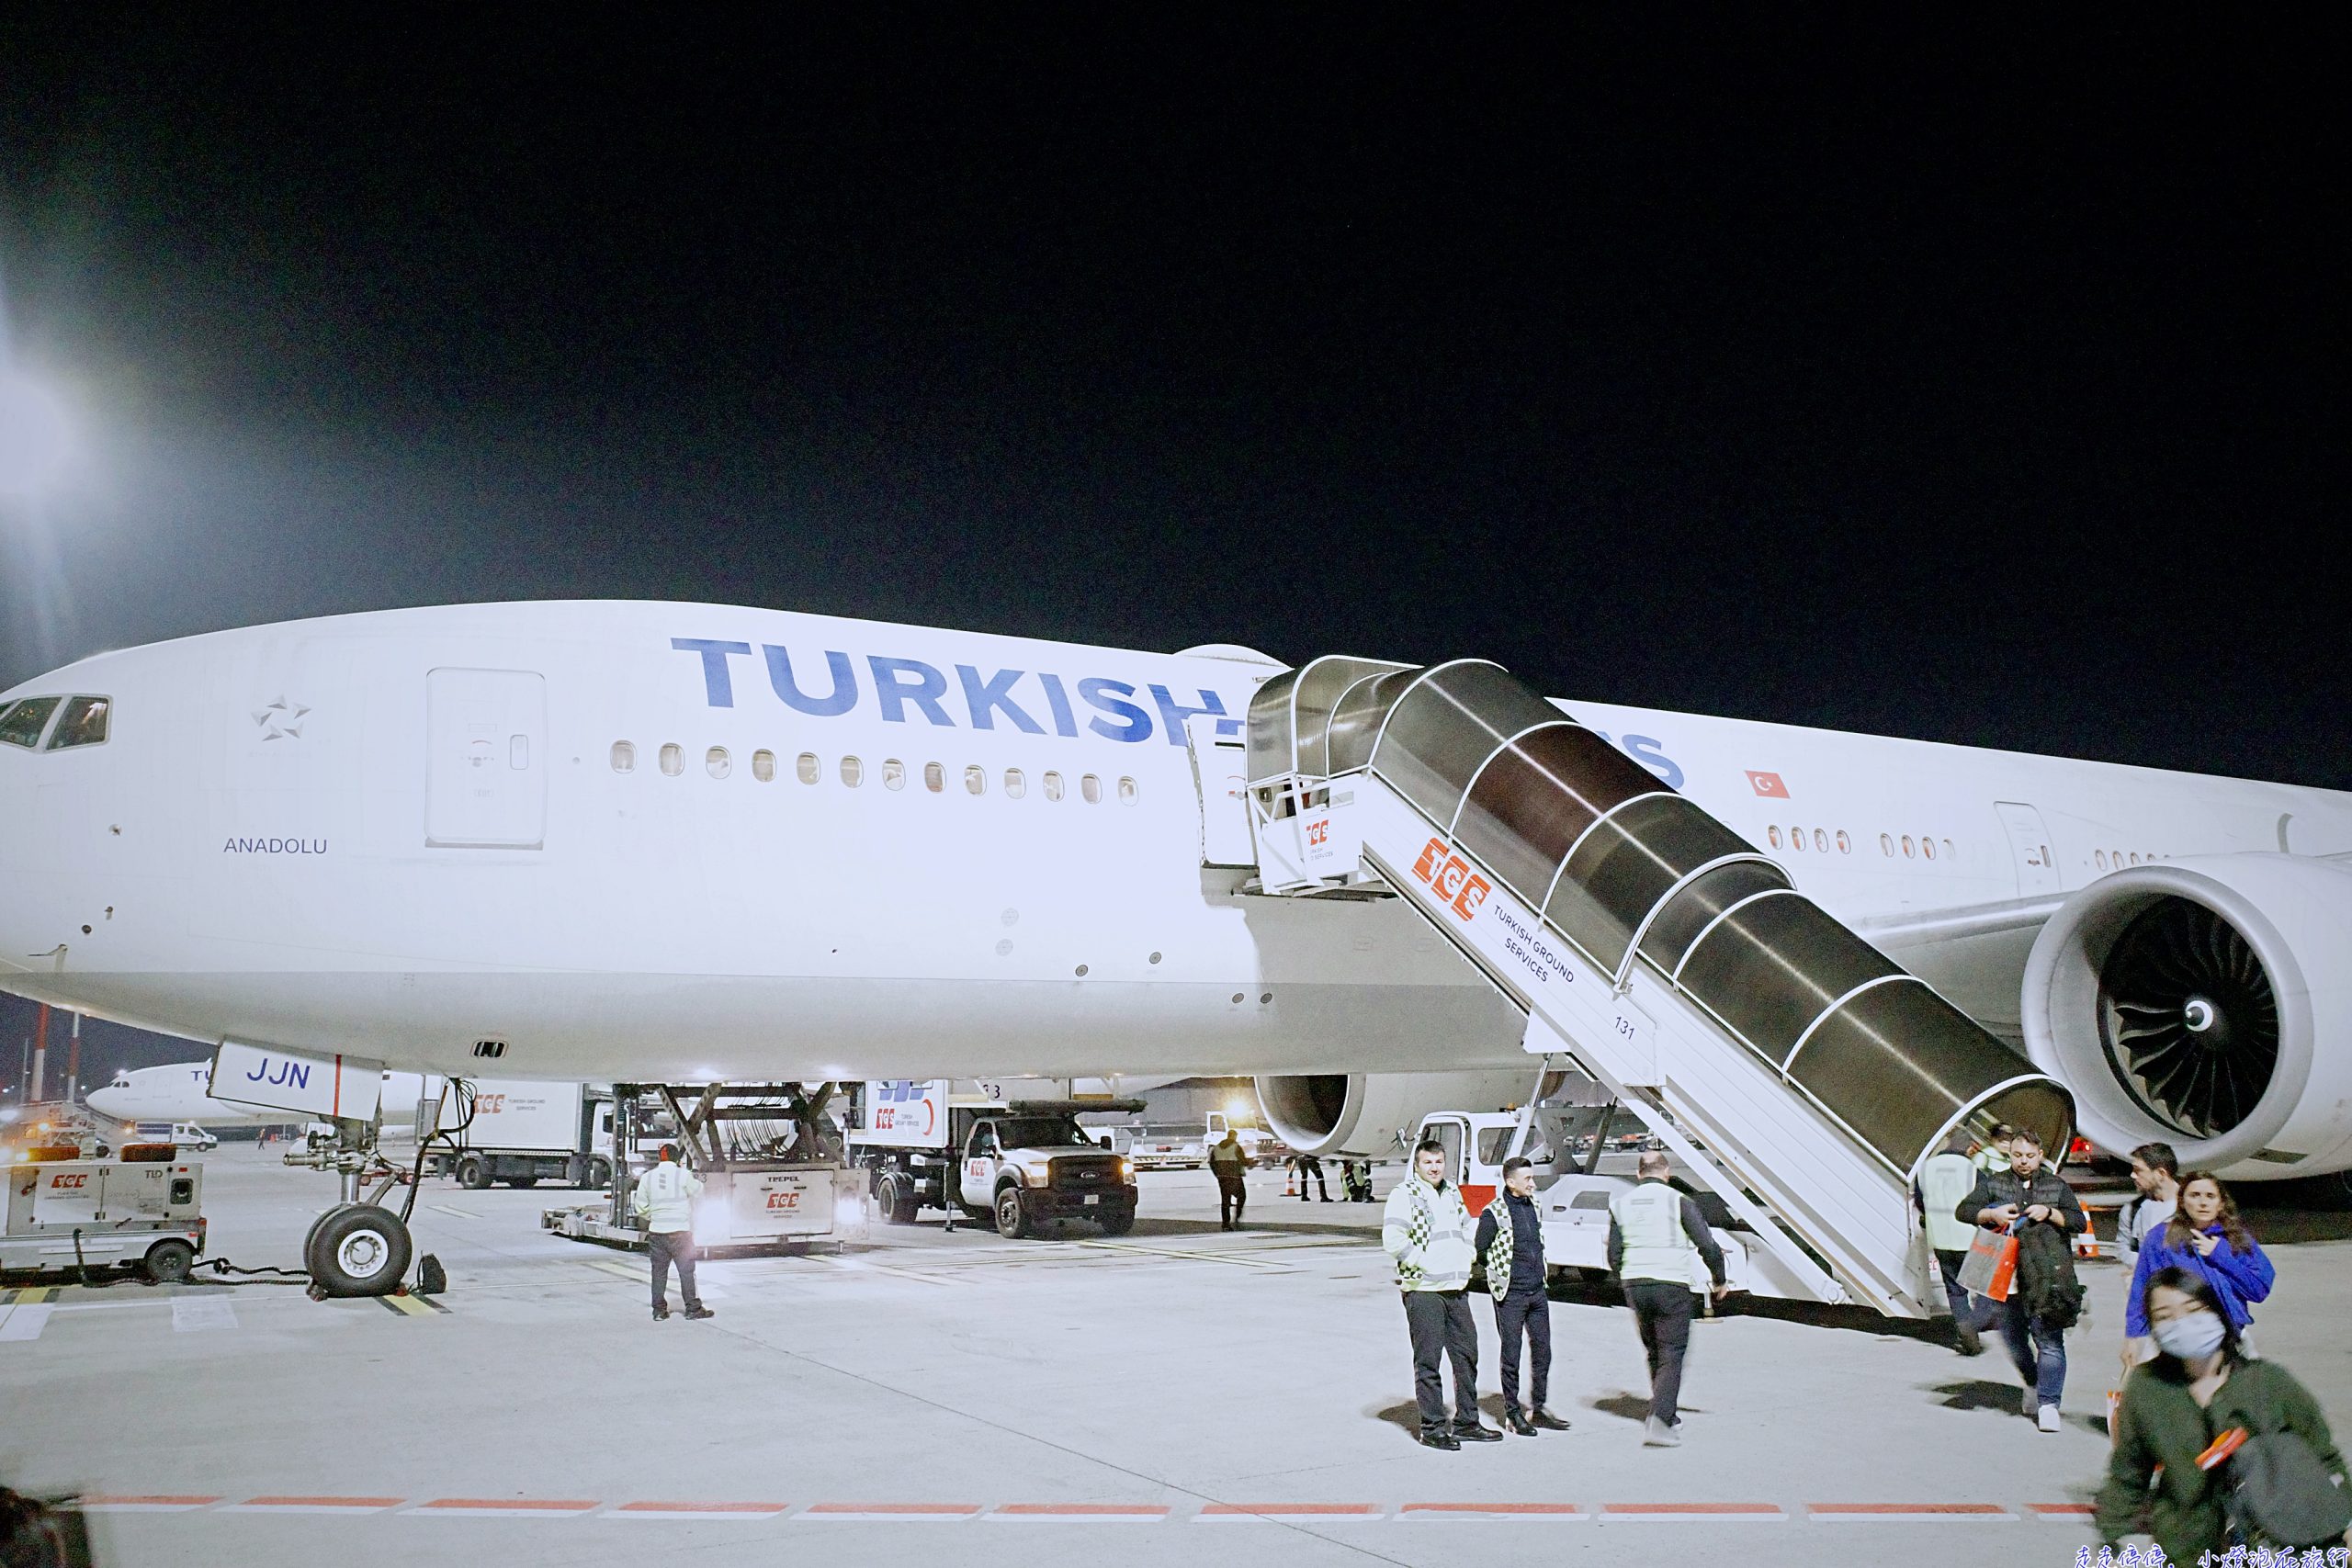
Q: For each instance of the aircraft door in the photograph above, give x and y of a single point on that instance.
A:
(486, 734)
(1221, 782)
(2037, 866)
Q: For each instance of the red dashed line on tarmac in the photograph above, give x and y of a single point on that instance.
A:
(1221, 1513)
(315, 1504)
(1563, 1511)
(1703, 1513)
(101, 1503)
(1902, 1512)
(2060, 1510)
(1080, 1513)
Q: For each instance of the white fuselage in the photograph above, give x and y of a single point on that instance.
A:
(400, 834)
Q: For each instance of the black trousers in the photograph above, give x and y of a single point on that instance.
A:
(1309, 1165)
(1230, 1195)
(1440, 1323)
(1662, 1308)
(1527, 1313)
(668, 1247)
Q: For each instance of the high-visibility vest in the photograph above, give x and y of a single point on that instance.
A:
(1649, 1217)
(1944, 1180)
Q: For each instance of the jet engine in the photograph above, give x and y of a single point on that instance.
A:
(2205, 1003)
(1371, 1115)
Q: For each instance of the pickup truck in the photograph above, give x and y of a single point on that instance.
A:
(1022, 1163)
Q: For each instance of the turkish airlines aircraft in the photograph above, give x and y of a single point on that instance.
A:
(701, 843)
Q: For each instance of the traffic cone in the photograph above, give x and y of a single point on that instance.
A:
(2087, 1244)
(1290, 1183)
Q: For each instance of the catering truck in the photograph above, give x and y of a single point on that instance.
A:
(523, 1133)
(1022, 1163)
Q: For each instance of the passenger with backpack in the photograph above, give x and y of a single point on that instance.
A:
(2213, 1449)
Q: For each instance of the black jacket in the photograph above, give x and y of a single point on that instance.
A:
(1526, 1244)
(2045, 1276)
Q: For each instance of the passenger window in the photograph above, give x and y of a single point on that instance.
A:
(1796, 838)
(1090, 788)
(1886, 843)
(934, 777)
(2098, 857)
(1845, 844)
(1016, 784)
(2136, 857)
(1821, 839)
(1053, 786)
(975, 779)
(1127, 792)
(673, 759)
(894, 773)
(84, 724)
(624, 757)
(806, 768)
(763, 766)
(24, 723)
(1906, 846)
(1948, 849)
(1928, 848)
(717, 762)
(1773, 835)
(852, 771)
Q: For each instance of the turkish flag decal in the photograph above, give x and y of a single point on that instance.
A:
(1768, 784)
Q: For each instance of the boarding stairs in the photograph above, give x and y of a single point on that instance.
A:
(1787, 1064)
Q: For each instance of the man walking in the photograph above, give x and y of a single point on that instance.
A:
(1229, 1163)
(1652, 1232)
(2029, 1202)
(1944, 1180)
(2155, 1172)
(664, 1198)
(1426, 1229)
(1510, 1238)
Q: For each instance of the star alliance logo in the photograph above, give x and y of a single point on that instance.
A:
(281, 720)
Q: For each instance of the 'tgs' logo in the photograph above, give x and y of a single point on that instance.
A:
(1450, 878)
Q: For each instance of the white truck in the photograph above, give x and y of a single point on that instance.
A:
(1021, 1163)
(1185, 1146)
(524, 1133)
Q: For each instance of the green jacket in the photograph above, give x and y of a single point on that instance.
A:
(2158, 1423)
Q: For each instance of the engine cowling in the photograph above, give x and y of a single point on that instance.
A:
(1371, 1115)
(2205, 1003)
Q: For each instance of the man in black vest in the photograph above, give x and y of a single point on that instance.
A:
(1510, 1238)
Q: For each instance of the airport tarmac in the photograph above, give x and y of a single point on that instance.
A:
(1072, 1399)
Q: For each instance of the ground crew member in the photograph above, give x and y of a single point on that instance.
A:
(1308, 1165)
(1944, 1180)
(1652, 1232)
(1426, 1229)
(664, 1199)
(1510, 1238)
(1229, 1163)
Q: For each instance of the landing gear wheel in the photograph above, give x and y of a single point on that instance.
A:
(358, 1250)
(167, 1262)
(1012, 1217)
(473, 1173)
(1118, 1221)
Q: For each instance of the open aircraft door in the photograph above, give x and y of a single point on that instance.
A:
(1221, 781)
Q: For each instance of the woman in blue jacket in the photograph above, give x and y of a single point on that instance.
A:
(2205, 1238)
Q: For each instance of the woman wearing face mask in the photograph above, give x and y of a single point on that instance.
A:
(2198, 1387)
(2207, 1238)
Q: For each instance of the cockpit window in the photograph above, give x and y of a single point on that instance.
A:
(22, 724)
(85, 723)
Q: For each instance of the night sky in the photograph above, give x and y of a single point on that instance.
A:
(1982, 385)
